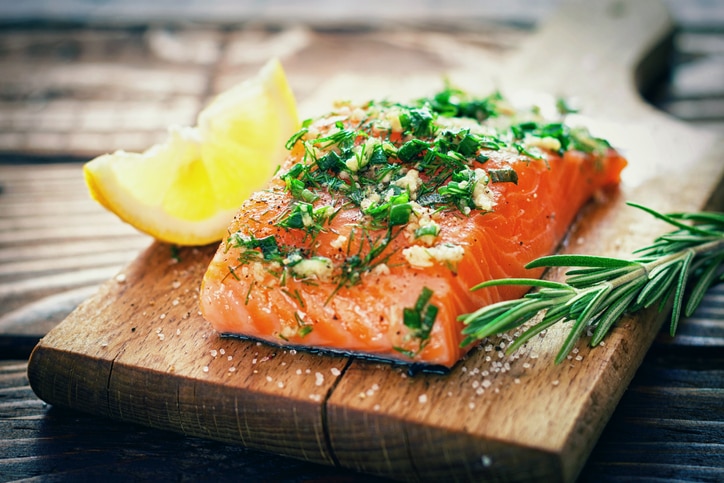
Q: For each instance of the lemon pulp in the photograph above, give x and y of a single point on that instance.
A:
(186, 190)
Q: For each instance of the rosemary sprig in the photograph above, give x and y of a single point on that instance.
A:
(680, 265)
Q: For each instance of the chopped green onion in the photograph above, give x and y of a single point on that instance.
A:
(421, 317)
(411, 149)
(427, 230)
(469, 145)
(400, 214)
(296, 137)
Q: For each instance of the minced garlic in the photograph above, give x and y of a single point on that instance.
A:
(423, 257)
(411, 182)
(316, 267)
(482, 196)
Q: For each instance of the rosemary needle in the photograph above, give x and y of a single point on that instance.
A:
(680, 266)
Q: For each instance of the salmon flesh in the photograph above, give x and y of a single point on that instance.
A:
(384, 215)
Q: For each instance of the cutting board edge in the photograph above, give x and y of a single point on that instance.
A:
(80, 395)
(445, 453)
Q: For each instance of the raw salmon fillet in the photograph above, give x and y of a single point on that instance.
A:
(384, 215)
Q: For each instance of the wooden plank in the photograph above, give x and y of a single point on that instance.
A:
(139, 351)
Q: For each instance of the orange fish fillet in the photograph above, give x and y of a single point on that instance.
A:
(384, 215)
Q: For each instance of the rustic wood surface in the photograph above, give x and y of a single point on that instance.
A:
(668, 423)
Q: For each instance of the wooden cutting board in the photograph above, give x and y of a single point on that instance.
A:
(139, 351)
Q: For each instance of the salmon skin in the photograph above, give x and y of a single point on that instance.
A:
(384, 215)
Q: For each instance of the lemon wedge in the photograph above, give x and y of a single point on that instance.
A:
(186, 190)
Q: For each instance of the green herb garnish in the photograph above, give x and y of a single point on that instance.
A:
(452, 102)
(267, 247)
(602, 289)
(394, 163)
(427, 230)
(306, 217)
(459, 191)
(420, 318)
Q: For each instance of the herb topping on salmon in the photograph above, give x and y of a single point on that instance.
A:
(384, 215)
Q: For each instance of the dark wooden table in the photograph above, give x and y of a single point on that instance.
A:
(76, 83)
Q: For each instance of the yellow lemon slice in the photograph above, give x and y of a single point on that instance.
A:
(186, 190)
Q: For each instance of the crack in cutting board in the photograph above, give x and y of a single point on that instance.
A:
(139, 351)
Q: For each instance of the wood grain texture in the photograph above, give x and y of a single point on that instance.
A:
(668, 426)
(138, 351)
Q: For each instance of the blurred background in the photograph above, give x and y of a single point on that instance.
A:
(82, 77)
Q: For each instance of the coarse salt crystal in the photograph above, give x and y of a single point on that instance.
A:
(269, 379)
(206, 369)
(318, 378)
(335, 371)
(422, 399)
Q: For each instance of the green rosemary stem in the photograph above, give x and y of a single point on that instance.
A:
(601, 289)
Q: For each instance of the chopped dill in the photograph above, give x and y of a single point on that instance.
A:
(392, 163)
